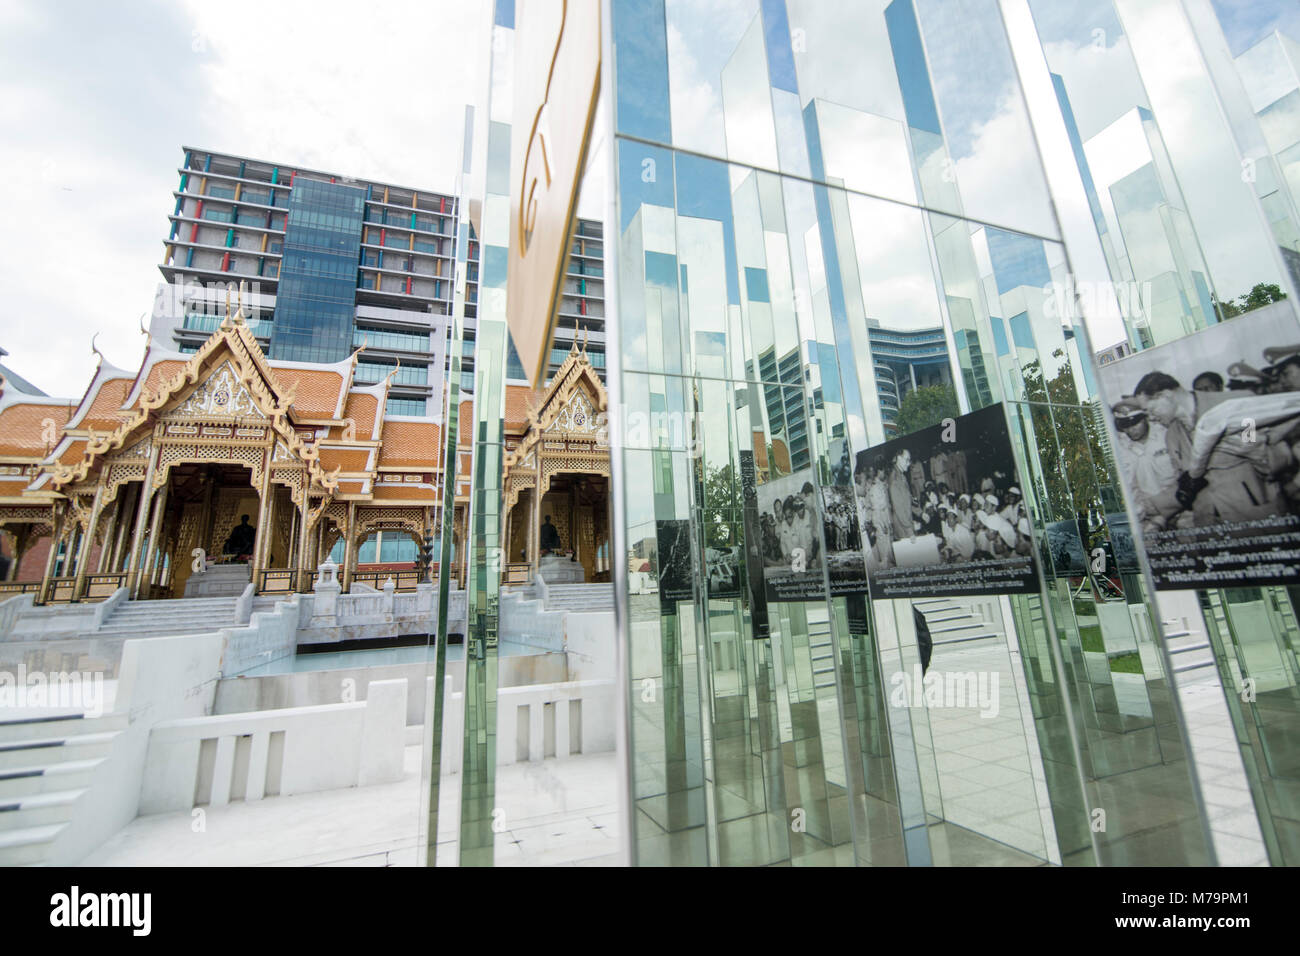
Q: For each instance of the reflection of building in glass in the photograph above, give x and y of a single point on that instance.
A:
(785, 408)
(1117, 351)
(1270, 72)
(904, 361)
(1142, 222)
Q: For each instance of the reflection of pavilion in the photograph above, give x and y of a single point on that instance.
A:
(564, 448)
(147, 467)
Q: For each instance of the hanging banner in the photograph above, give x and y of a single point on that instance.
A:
(1208, 449)
(943, 512)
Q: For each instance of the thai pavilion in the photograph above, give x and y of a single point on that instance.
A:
(125, 486)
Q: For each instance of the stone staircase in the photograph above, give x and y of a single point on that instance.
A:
(822, 651)
(1188, 649)
(167, 618)
(46, 765)
(953, 621)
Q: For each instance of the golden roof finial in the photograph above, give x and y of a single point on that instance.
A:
(94, 349)
(365, 340)
(389, 376)
(240, 318)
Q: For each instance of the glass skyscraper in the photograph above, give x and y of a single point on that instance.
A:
(316, 299)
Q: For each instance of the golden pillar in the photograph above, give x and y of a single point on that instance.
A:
(141, 521)
(87, 543)
(56, 534)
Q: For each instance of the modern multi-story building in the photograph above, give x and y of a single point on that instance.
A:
(332, 263)
(906, 360)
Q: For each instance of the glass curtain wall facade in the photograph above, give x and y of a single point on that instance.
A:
(316, 298)
(1189, 152)
(791, 177)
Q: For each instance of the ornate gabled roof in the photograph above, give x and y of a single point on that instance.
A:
(228, 375)
(573, 403)
(313, 416)
(575, 372)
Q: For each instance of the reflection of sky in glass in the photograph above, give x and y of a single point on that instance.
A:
(1017, 260)
(645, 176)
(909, 62)
(1246, 22)
(996, 161)
(970, 64)
(1085, 45)
(704, 191)
(638, 30)
(700, 41)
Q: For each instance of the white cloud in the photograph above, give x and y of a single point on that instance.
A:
(97, 102)
(1001, 180)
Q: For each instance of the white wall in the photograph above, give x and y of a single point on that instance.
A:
(321, 748)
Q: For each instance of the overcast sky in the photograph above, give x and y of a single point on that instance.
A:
(97, 98)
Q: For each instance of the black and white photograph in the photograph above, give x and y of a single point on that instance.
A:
(795, 547)
(673, 552)
(722, 571)
(788, 532)
(1208, 447)
(1066, 548)
(943, 511)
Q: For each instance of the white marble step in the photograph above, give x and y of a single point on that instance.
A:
(16, 729)
(27, 846)
(38, 809)
(24, 781)
(46, 751)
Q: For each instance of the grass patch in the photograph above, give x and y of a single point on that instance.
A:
(1090, 636)
(1130, 663)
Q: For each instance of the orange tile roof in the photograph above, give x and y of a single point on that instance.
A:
(396, 492)
(105, 412)
(73, 453)
(516, 408)
(362, 409)
(351, 459)
(317, 393)
(410, 444)
(21, 425)
(162, 371)
(350, 487)
(12, 487)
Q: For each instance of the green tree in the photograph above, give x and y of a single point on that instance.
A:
(1071, 445)
(926, 406)
(721, 507)
(1260, 295)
